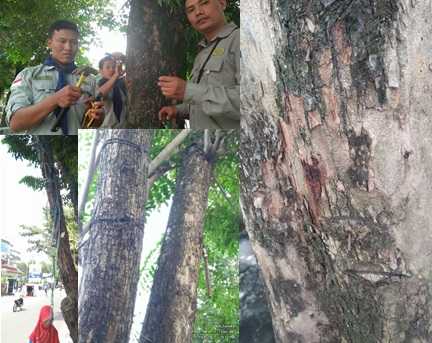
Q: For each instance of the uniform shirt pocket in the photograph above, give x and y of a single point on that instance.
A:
(42, 89)
(213, 71)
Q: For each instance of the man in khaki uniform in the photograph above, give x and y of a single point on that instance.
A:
(38, 94)
(212, 97)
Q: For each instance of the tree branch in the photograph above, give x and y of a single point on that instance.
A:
(168, 151)
(161, 170)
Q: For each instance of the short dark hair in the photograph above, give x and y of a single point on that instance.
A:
(62, 25)
(107, 58)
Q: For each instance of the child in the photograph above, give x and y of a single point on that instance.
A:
(44, 331)
(112, 87)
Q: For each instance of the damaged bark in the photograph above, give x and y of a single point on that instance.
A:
(336, 195)
(171, 309)
(67, 269)
(110, 265)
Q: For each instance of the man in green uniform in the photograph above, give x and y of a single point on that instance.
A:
(211, 99)
(39, 94)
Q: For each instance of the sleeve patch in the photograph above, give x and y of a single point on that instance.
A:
(17, 82)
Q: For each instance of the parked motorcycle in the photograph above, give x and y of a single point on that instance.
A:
(18, 304)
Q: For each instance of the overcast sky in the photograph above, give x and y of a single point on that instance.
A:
(19, 204)
(110, 41)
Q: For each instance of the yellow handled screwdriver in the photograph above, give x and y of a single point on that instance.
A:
(56, 124)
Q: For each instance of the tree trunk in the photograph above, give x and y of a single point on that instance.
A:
(110, 266)
(336, 166)
(68, 272)
(171, 309)
(155, 47)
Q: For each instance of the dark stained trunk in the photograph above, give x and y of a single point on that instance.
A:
(155, 47)
(110, 266)
(336, 166)
(171, 309)
(67, 269)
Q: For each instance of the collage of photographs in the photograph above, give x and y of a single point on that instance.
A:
(210, 171)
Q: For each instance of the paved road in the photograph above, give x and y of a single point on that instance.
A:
(16, 327)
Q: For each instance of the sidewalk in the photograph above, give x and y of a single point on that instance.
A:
(17, 326)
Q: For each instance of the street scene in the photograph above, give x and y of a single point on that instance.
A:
(17, 326)
(38, 247)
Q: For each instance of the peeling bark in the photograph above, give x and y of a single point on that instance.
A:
(68, 272)
(336, 195)
(171, 309)
(110, 265)
(155, 47)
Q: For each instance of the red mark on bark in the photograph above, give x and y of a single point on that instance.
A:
(315, 177)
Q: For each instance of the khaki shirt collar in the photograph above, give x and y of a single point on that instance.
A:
(223, 33)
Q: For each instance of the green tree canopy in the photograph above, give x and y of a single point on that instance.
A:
(65, 153)
(24, 26)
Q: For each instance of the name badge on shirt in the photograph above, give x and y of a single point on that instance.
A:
(218, 52)
(43, 78)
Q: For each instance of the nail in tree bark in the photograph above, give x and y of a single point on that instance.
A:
(110, 266)
(171, 309)
(336, 163)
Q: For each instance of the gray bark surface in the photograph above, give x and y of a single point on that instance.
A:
(171, 309)
(110, 265)
(255, 319)
(336, 163)
(155, 47)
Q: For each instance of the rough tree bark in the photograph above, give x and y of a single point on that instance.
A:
(336, 162)
(110, 265)
(171, 309)
(67, 269)
(154, 47)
